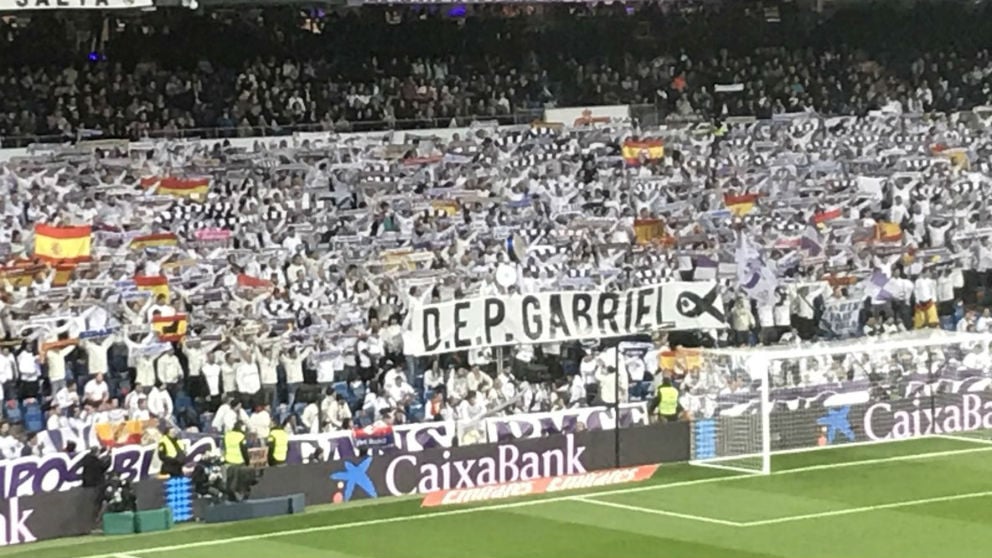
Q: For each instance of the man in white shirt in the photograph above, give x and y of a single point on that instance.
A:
(55, 361)
(478, 381)
(96, 353)
(227, 416)
(160, 403)
(169, 372)
(268, 362)
(310, 418)
(8, 372)
(945, 299)
(140, 412)
(292, 363)
(260, 422)
(924, 289)
(96, 391)
(66, 397)
(30, 372)
(335, 413)
(399, 393)
(246, 376)
(10, 447)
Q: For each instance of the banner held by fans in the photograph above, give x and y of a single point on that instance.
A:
(553, 317)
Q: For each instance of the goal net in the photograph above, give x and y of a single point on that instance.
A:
(751, 404)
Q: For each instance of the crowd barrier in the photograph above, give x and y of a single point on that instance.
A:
(48, 515)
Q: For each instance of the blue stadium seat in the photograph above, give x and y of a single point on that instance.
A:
(342, 389)
(34, 417)
(415, 412)
(12, 412)
(205, 421)
(183, 401)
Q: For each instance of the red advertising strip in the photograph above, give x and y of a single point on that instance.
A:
(544, 485)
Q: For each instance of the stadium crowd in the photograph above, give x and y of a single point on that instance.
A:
(848, 213)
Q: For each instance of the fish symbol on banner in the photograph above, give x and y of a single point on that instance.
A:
(691, 305)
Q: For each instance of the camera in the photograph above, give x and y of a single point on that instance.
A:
(119, 495)
(209, 480)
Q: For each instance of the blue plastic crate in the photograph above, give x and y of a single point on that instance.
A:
(179, 498)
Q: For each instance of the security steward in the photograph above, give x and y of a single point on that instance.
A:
(171, 453)
(278, 443)
(236, 446)
(668, 401)
(239, 476)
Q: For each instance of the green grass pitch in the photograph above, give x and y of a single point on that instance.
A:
(926, 497)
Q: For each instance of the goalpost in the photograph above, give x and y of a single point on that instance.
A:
(751, 404)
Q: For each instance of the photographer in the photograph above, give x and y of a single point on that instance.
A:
(208, 478)
(95, 465)
(119, 496)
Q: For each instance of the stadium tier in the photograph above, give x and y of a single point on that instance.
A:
(364, 281)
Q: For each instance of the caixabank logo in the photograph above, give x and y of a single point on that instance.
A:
(355, 476)
(466, 467)
(940, 414)
(835, 426)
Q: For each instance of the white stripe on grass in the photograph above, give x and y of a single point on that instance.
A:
(866, 509)
(514, 505)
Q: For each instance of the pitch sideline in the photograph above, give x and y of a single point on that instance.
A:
(514, 505)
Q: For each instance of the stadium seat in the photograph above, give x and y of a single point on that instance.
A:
(341, 388)
(415, 412)
(34, 417)
(12, 412)
(206, 419)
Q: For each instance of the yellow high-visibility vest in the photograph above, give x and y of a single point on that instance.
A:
(280, 444)
(668, 401)
(232, 448)
(167, 445)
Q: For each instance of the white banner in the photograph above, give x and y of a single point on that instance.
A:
(553, 317)
(13, 5)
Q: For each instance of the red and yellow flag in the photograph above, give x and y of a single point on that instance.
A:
(828, 215)
(647, 231)
(650, 149)
(62, 244)
(150, 240)
(170, 328)
(740, 205)
(888, 232)
(123, 433)
(155, 284)
(181, 187)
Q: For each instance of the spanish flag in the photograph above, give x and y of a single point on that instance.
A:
(650, 149)
(170, 328)
(62, 244)
(155, 284)
(180, 187)
(150, 240)
(888, 232)
(740, 205)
